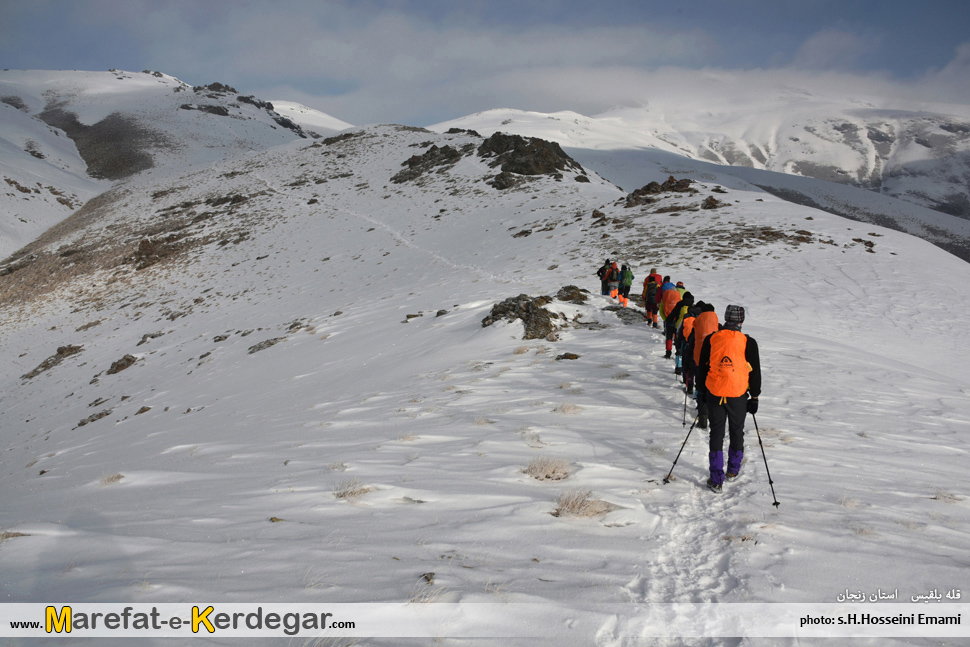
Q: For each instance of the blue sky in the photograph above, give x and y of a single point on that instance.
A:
(420, 62)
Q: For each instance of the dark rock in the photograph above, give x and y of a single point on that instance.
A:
(582, 178)
(680, 186)
(526, 156)
(264, 105)
(289, 124)
(122, 364)
(114, 148)
(441, 313)
(458, 131)
(572, 294)
(263, 345)
(505, 180)
(93, 417)
(336, 139)
(215, 87)
(62, 353)
(219, 111)
(522, 234)
(418, 165)
(538, 323)
(16, 102)
(567, 356)
(711, 203)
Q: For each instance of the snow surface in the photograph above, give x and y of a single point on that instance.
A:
(903, 147)
(310, 119)
(864, 414)
(630, 150)
(178, 139)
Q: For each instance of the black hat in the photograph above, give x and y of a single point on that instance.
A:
(734, 314)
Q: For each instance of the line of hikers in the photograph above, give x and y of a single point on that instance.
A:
(616, 282)
(718, 364)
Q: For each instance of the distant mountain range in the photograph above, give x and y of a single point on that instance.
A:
(66, 136)
(909, 170)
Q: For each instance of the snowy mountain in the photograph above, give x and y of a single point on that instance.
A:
(916, 153)
(66, 136)
(267, 378)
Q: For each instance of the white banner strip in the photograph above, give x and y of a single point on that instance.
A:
(486, 620)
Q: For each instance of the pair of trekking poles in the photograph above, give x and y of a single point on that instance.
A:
(770, 482)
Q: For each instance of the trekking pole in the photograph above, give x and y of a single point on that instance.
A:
(685, 409)
(667, 478)
(770, 482)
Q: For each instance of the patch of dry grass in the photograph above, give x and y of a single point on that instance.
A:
(108, 480)
(568, 408)
(945, 497)
(577, 503)
(350, 489)
(547, 469)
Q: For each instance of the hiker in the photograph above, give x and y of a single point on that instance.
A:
(680, 344)
(626, 280)
(604, 275)
(614, 282)
(704, 324)
(671, 297)
(650, 289)
(653, 309)
(730, 370)
(673, 317)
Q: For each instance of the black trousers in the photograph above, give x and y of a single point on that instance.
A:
(731, 412)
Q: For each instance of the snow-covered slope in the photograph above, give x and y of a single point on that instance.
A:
(828, 128)
(309, 119)
(66, 134)
(903, 169)
(268, 380)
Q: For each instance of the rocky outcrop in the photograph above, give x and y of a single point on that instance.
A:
(526, 155)
(537, 320)
(572, 294)
(644, 194)
(63, 352)
(418, 165)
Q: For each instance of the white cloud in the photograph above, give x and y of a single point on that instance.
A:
(832, 49)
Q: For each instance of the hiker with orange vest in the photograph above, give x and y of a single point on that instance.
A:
(650, 289)
(671, 298)
(730, 370)
(614, 280)
(680, 343)
(704, 324)
(673, 321)
(651, 296)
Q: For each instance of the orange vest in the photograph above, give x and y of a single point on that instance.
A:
(704, 324)
(688, 325)
(671, 297)
(728, 375)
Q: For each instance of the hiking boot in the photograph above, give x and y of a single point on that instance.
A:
(667, 355)
(655, 325)
(677, 371)
(713, 487)
(731, 476)
(702, 422)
